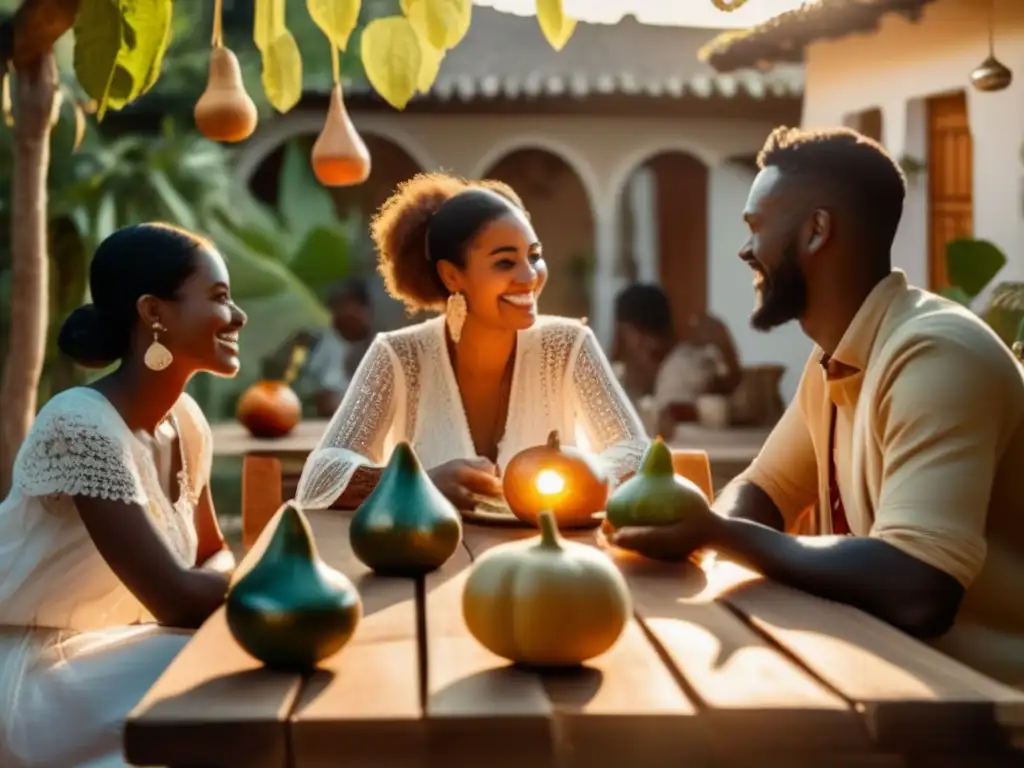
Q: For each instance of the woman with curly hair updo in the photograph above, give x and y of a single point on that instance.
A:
(485, 379)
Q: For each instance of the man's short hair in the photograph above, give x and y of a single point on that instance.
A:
(644, 306)
(351, 289)
(858, 167)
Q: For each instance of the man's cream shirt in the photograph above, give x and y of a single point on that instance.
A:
(929, 454)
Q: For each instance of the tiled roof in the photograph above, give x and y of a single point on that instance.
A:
(505, 56)
(783, 38)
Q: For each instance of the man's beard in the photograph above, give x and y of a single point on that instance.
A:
(783, 293)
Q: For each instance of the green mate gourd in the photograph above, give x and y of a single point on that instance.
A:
(292, 610)
(406, 526)
(655, 495)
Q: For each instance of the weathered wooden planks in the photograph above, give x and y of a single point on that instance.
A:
(475, 702)
(720, 668)
(624, 707)
(363, 707)
(215, 705)
(913, 698)
(751, 697)
(754, 698)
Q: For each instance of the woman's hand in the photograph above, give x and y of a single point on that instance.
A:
(460, 479)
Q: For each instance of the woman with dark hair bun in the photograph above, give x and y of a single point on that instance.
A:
(488, 377)
(109, 546)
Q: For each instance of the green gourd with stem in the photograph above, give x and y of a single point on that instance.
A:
(406, 526)
(292, 610)
(655, 495)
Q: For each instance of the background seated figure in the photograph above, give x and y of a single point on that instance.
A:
(672, 371)
(334, 352)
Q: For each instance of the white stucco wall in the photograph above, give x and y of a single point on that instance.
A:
(899, 67)
(604, 152)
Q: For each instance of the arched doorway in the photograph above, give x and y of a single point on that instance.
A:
(560, 211)
(663, 215)
(390, 165)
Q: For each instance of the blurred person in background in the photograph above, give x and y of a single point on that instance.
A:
(665, 372)
(334, 352)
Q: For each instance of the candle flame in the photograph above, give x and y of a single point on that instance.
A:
(550, 482)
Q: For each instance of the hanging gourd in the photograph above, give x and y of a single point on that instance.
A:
(339, 157)
(224, 112)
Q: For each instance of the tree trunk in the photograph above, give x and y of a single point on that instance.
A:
(34, 94)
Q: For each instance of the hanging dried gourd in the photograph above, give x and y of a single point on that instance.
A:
(224, 112)
(340, 157)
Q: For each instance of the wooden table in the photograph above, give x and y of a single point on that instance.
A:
(718, 668)
(735, 445)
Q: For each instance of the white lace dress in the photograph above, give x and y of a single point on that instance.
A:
(405, 390)
(77, 649)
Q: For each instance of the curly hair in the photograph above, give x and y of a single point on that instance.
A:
(866, 176)
(429, 218)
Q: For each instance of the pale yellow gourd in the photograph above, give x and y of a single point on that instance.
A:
(546, 601)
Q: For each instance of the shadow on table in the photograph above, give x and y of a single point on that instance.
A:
(379, 593)
(249, 684)
(910, 692)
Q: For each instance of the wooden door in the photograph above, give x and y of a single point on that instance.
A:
(950, 181)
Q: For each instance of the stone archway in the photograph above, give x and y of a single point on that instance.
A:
(663, 215)
(391, 165)
(560, 209)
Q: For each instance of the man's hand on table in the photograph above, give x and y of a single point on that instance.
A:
(739, 500)
(672, 543)
(864, 572)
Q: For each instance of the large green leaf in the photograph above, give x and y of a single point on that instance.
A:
(254, 276)
(98, 38)
(972, 264)
(322, 259)
(304, 202)
(171, 199)
(119, 48)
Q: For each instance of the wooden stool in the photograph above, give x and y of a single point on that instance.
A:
(695, 466)
(261, 495)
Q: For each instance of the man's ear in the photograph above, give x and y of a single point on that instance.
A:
(450, 275)
(821, 230)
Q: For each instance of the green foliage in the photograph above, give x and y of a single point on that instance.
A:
(119, 48)
(281, 264)
(973, 264)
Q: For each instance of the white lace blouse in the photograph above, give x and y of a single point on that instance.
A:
(405, 390)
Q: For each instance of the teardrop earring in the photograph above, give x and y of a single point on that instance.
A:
(158, 357)
(455, 315)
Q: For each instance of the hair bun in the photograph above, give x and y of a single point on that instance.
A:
(89, 340)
